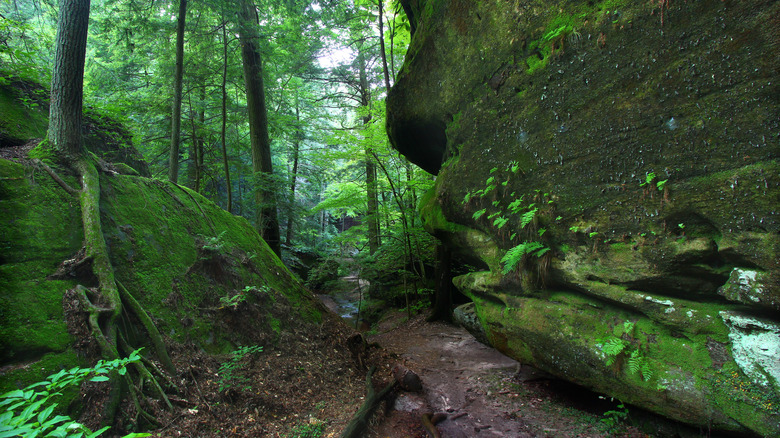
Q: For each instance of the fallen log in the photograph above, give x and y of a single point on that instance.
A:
(360, 420)
(430, 421)
(407, 379)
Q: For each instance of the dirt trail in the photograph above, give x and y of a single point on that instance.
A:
(483, 392)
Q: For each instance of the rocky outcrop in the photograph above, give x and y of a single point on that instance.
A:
(613, 166)
(206, 278)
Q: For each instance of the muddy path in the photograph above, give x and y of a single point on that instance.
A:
(482, 392)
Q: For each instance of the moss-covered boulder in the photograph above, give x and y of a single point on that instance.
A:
(614, 168)
(206, 277)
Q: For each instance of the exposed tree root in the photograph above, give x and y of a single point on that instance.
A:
(104, 306)
(56, 178)
(359, 422)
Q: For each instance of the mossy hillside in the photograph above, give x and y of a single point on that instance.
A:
(181, 253)
(174, 250)
(42, 227)
(684, 374)
(22, 117)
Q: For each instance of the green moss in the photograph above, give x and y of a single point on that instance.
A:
(44, 151)
(38, 370)
(21, 119)
(40, 232)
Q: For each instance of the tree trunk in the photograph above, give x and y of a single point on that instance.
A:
(372, 213)
(224, 114)
(173, 163)
(267, 220)
(67, 83)
(294, 176)
(382, 47)
(103, 304)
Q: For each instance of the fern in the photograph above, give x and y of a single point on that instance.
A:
(500, 222)
(647, 372)
(477, 214)
(527, 217)
(515, 255)
(638, 364)
(613, 347)
(635, 362)
(541, 252)
(516, 205)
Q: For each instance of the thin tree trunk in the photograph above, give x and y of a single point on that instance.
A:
(371, 184)
(67, 83)
(294, 177)
(224, 115)
(198, 140)
(392, 37)
(173, 163)
(382, 46)
(265, 199)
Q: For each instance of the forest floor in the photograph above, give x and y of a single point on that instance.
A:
(482, 392)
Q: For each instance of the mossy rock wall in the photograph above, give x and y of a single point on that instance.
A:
(635, 145)
(177, 252)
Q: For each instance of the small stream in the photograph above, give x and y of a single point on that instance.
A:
(344, 301)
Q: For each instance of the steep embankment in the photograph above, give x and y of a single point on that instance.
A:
(613, 167)
(206, 279)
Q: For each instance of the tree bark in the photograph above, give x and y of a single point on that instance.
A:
(382, 47)
(267, 219)
(67, 83)
(173, 163)
(224, 114)
(294, 176)
(372, 213)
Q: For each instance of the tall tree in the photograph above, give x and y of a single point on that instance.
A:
(104, 306)
(297, 139)
(223, 130)
(265, 198)
(173, 166)
(67, 83)
(382, 52)
(372, 212)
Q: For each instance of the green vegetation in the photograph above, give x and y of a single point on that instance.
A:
(30, 412)
(229, 377)
(313, 429)
(624, 346)
(615, 418)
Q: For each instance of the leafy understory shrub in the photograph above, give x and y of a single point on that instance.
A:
(29, 412)
(313, 429)
(227, 371)
(614, 418)
(235, 300)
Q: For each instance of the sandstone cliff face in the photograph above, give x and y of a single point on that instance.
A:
(614, 165)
